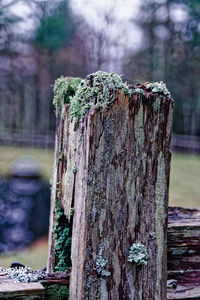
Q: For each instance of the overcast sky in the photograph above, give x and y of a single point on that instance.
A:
(121, 9)
(122, 13)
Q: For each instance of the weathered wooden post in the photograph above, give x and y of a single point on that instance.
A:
(110, 187)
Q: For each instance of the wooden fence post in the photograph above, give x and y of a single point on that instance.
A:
(110, 187)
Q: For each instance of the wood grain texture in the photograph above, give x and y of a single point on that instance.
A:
(119, 195)
(184, 239)
(184, 253)
(18, 290)
(186, 285)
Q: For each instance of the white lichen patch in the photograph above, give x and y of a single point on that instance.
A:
(74, 169)
(159, 87)
(139, 91)
(138, 254)
(24, 274)
(152, 235)
(101, 264)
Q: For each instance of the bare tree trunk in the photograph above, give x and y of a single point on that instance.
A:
(112, 170)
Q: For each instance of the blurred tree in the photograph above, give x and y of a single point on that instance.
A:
(39, 41)
(57, 52)
(104, 32)
(171, 52)
(7, 19)
(56, 27)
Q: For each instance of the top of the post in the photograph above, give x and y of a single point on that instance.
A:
(99, 90)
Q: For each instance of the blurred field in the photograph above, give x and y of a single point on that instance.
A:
(44, 156)
(185, 180)
(34, 257)
(184, 191)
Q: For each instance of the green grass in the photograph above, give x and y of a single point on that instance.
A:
(185, 180)
(44, 156)
(34, 257)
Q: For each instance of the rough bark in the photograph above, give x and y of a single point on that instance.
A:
(119, 194)
(183, 239)
(183, 253)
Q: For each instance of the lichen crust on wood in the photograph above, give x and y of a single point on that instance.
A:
(112, 171)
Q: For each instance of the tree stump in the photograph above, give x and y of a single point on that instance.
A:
(110, 187)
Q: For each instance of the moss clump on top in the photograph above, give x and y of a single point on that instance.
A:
(98, 88)
(65, 87)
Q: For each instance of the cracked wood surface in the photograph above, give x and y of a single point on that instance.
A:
(184, 239)
(184, 253)
(119, 195)
(18, 290)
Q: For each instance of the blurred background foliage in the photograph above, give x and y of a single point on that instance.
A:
(56, 28)
(171, 51)
(40, 40)
(145, 40)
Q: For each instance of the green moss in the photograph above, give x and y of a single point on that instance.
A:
(98, 88)
(62, 235)
(138, 254)
(71, 211)
(56, 292)
(65, 87)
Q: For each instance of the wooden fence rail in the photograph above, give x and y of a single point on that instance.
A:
(183, 253)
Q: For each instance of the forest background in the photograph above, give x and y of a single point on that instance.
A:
(41, 40)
